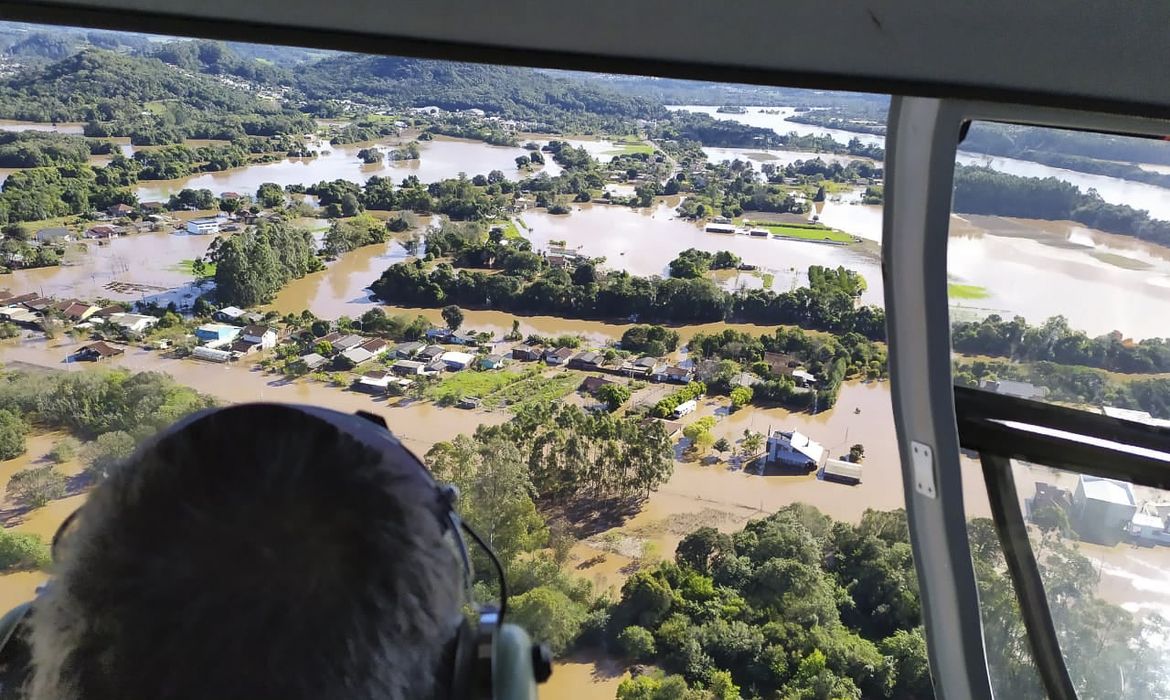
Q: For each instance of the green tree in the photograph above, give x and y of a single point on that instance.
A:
(20, 551)
(105, 453)
(549, 616)
(613, 395)
(452, 316)
(699, 549)
(270, 195)
(324, 348)
(12, 432)
(36, 486)
(699, 433)
(906, 649)
(64, 450)
(752, 443)
(636, 643)
(740, 397)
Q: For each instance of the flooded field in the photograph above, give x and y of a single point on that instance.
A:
(439, 159)
(776, 119)
(60, 128)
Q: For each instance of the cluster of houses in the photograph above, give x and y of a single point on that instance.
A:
(649, 368)
(235, 333)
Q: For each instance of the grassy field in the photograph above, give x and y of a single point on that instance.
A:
(966, 291)
(534, 388)
(471, 383)
(1120, 261)
(186, 266)
(510, 229)
(629, 147)
(806, 233)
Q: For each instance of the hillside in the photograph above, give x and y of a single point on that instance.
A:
(216, 58)
(97, 84)
(673, 91)
(518, 93)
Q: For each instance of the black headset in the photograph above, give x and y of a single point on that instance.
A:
(485, 660)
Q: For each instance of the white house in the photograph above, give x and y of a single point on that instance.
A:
(229, 314)
(1102, 509)
(1148, 528)
(1008, 387)
(134, 323)
(408, 367)
(794, 449)
(456, 361)
(203, 227)
(263, 336)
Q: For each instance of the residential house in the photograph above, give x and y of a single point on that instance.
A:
(591, 384)
(97, 351)
(120, 210)
(720, 228)
(589, 361)
(407, 350)
(430, 352)
(78, 311)
(1149, 528)
(745, 379)
(557, 356)
(203, 227)
(228, 314)
(794, 449)
(408, 368)
(103, 232)
(53, 234)
(375, 382)
(1102, 509)
(263, 336)
(346, 342)
(456, 361)
(803, 378)
(243, 347)
(781, 363)
(151, 207)
(39, 304)
(674, 375)
(313, 361)
(435, 366)
(641, 367)
(527, 353)
(21, 298)
(216, 333)
(438, 335)
(468, 402)
(230, 195)
(493, 361)
(21, 316)
(133, 323)
(330, 338)
(357, 355)
(1007, 387)
(458, 338)
(250, 317)
(375, 346)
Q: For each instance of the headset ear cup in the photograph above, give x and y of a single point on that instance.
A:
(459, 669)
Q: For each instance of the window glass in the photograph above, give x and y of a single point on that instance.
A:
(638, 322)
(1057, 265)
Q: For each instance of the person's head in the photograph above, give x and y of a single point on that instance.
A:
(257, 552)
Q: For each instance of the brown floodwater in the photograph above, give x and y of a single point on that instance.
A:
(60, 127)
(644, 241)
(147, 258)
(439, 159)
(775, 118)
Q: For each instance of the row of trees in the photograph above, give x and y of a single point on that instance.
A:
(980, 190)
(1054, 341)
(830, 305)
(39, 149)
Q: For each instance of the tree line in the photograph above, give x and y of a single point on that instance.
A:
(980, 190)
(39, 149)
(1054, 341)
(251, 267)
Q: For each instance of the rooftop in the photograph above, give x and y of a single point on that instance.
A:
(1107, 490)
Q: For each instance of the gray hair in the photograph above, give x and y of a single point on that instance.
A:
(256, 553)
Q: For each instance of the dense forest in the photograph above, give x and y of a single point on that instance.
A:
(980, 190)
(250, 268)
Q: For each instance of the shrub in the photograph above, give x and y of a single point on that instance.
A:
(37, 486)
